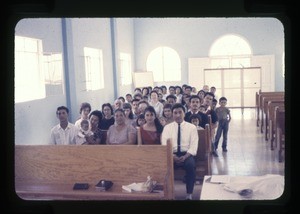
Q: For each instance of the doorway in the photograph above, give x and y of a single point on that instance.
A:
(238, 85)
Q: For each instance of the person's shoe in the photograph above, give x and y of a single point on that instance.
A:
(189, 197)
(224, 150)
(215, 154)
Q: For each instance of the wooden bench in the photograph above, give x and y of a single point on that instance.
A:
(265, 116)
(46, 172)
(211, 132)
(258, 100)
(280, 132)
(203, 157)
(271, 116)
(264, 106)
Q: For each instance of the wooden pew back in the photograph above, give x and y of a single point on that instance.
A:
(67, 164)
(271, 107)
(203, 158)
(258, 101)
(211, 132)
(280, 118)
(264, 113)
(266, 100)
(269, 94)
(264, 109)
(203, 144)
(280, 131)
(271, 117)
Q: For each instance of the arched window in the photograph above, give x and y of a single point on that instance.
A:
(165, 64)
(230, 51)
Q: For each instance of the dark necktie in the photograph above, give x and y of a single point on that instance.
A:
(178, 139)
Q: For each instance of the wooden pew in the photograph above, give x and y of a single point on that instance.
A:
(139, 136)
(266, 101)
(271, 116)
(46, 172)
(280, 132)
(211, 132)
(263, 106)
(258, 101)
(203, 157)
(257, 106)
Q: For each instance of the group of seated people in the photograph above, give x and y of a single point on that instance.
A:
(151, 115)
(147, 109)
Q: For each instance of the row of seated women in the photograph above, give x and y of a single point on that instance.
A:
(119, 126)
(119, 130)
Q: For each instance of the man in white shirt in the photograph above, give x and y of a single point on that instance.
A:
(184, 150)
(65, 132)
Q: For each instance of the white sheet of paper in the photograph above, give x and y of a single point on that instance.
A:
(220, 179)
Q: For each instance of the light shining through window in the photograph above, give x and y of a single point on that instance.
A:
(29, 76)
(165, 64)
(230, 51)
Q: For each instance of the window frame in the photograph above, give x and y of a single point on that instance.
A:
(94, 75)
(125, 69)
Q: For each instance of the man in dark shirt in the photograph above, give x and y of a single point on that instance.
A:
(194, 109)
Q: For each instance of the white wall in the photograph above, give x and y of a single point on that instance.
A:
(93, 33)
(193, 37)
(34, 119)
(125, 43)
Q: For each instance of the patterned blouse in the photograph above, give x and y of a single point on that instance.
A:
(119, 137)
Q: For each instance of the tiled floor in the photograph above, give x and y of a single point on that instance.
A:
(248, 153)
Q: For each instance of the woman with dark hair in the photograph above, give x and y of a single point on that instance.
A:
(201, 94)
(107, 120)
(129, 114)
(95, 118)
(152, 129)
(145, 91)
(178, 94)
